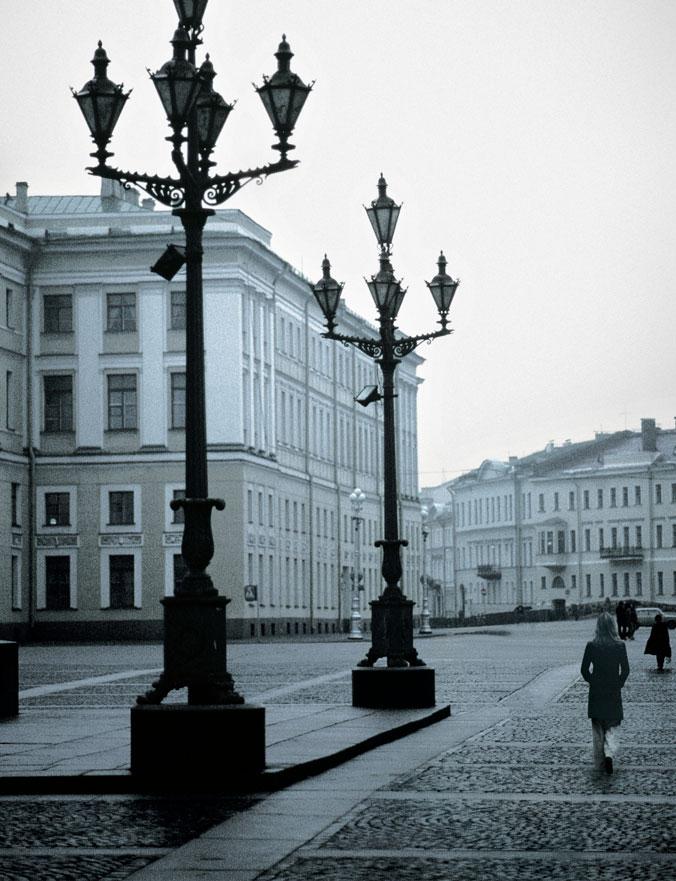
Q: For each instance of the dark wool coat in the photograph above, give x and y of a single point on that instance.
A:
(658, 641)
(605, 668)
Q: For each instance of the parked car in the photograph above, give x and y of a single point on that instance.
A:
(646, 616)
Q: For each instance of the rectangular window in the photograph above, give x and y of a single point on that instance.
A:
(120, 313)
(543, 583)
(625, 496)
(57, 583)
(614, 581)
(122, 413)
(10, 401)
(14, 500)
(9, 308)
(571, 501)
(560, 542)
(602, 585)
(57, 313)
(121, 581)
(556, 501)
(599, 498)
(178, 516)
(625, 536)
(658, 493)
(120, 508)
(271, 510)
(658, 535)
(639, 584)
(627, 590)
(637, 495)
(15, 583)
(573, 541)
(585, 499)
(180, 570)
(601, 539)
(613, 497)
(613, 537)
(541, 502)
(587, 581)
(261, 516)
(249, 506)
(177, 310)
(573, 583)
(178, 400)
(660, 583)
(673, 535)
(57, 509)
(58, 391)
(673, 493)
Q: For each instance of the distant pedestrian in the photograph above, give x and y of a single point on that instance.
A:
(633, 620)
(622, 619)
(605, 667)
(658, 642)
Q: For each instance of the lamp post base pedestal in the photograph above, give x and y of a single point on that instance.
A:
(393, 688)
(210, 745)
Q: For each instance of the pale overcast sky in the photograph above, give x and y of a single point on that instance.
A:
(534, 141)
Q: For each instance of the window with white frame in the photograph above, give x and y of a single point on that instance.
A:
(122, 404)
(57, 509)
(57, 582)
(15, 504)
(120, 508)
(57, 313)
(10, 401)
(120, 313)
(15, 581)
(177, 310)
(121, 581)
(9, 308)
(58, 403)
(178, 400)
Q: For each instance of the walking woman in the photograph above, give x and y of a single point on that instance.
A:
(605, 667)
(658, 642)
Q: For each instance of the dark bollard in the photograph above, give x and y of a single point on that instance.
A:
(9, 679)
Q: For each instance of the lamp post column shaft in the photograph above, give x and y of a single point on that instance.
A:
(391, 567)
(425, 614)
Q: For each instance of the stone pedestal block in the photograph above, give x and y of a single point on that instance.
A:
(9, 679)
(211, 745)
(393, 688)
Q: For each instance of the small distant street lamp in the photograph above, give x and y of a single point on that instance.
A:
(357, 498)
(425, 628)
(194, 618)
(392, 613)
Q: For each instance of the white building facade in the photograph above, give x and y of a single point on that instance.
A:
(577, 524)
(92, 390)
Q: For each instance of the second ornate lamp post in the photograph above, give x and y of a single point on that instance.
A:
(357, 498)
(199, 735)
(406, 681)
(425, 628)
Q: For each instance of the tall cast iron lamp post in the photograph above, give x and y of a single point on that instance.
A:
(406, 681)
(357, 499)
(194, 618)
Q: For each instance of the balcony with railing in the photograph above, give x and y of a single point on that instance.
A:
(553, 560)
(489, 572)
(622, 553)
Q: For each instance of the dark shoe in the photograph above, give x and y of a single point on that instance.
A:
(608, 764)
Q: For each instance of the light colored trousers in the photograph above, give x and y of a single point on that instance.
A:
(604, 736)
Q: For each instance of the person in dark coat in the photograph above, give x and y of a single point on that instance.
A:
(633, 620)
(605, 667)
(658, 642)
(621, 613)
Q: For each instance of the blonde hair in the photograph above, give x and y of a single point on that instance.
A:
(606, 630)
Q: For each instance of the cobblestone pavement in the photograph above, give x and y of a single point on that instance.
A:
(518, 799)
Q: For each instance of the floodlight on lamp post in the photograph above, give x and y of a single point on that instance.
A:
(392, 613)
(357, 499)
(194, 618)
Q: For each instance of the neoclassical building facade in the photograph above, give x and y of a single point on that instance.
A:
(92, 423)
(571, 524)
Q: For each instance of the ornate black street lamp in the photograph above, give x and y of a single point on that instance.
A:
(194, 618)
(392, 613)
